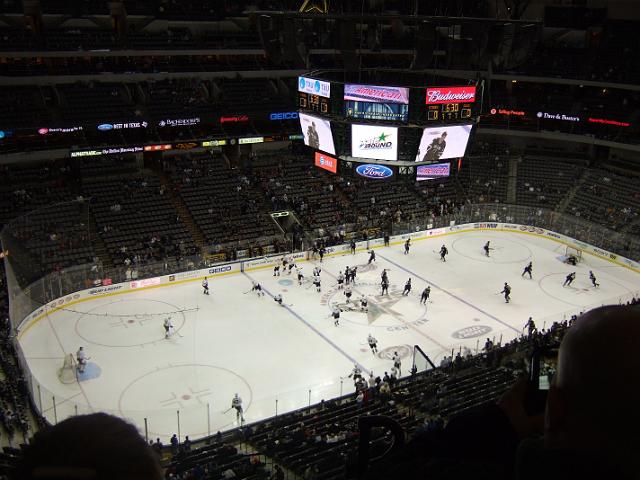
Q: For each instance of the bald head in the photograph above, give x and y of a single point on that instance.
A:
(593, 404)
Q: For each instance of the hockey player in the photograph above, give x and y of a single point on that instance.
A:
(316, 271)
(443, 253)
(425, 295)
(407, 245)
(407, 288)
(340, 280)
(528, 269)
(167, 327)
(383, 275)
(300, 275)
(592, 277)
(285, 262)
(487, 248)
(363, 304)
(81, 358)
(569, 279)
(335, 313)
(397, 362)
(348, 292)
(321, 252)
(205, 286)
(507, 292)
(373, 344)
(347, 275)
(316, 282)
(292, 265)
(372, 257)
(278, 299)
(276, 271)
(356, 373)
(530, 326)
(385, 286)
(354, 272)
(353, 247)
(257, 288)
(236, 403)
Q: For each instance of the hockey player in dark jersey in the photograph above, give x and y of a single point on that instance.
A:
(385, 286)
(372, 256)
(443, 253)
(425, 295)
(569, 279)
(436, 149)
(592, 277)
(352, 245)
(528, 270)
(407, 245)
(487, 248)
(407, 288)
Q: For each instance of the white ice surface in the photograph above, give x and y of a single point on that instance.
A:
(283, 357)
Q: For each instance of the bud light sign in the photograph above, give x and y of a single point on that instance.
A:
(374, 171)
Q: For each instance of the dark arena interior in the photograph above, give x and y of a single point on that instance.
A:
(214, 212)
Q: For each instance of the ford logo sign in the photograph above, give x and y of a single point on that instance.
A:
(471, 332)
(105, 126)
(374, 171)
(316, 86)
(301, 82)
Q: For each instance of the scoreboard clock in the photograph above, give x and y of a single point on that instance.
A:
(449, 111)
(313, 103)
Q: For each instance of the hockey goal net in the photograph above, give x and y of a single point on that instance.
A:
(67, 374)
(573, 252)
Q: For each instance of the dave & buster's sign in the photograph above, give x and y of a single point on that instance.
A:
(326, 162)
(440, 95)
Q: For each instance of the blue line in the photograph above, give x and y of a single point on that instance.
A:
(450, 294)
(323, 336)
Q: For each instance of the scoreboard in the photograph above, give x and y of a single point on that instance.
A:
(447, 112)
(450, 104)
(313, 103)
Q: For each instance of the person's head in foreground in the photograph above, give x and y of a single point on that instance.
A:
(593, 407)
(96, 446)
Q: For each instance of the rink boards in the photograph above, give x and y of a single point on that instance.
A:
(270, 261)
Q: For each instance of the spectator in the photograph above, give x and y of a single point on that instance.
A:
(89, 446)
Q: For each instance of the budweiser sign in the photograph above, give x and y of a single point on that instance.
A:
(438, 95)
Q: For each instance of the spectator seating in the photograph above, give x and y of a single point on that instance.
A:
(545, 181)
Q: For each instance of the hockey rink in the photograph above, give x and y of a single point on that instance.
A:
(279, 358)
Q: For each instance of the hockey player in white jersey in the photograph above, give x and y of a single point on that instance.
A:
(167, 327)
(373, 344)
(278, 299)
(236, 403)
(340, 280)
(316, 283)
(364, 304)
(205, 286)
(348, 292)
(257, 288)
(300, 275)
(316, 271)
(397, 363)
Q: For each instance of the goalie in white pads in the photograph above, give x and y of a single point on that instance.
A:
(81, 358)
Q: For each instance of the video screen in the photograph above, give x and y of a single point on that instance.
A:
(326, 162)
(433, 171)
(441, 143)
(317, 133)
(370, 102)
(374, 141)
